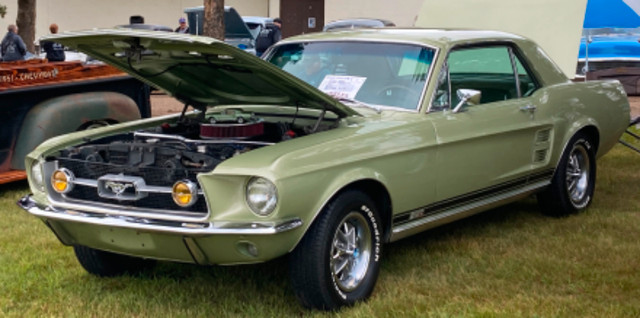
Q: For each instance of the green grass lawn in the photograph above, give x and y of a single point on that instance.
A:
(507, 262)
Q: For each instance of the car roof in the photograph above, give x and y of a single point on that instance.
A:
(355, 23)
(444, 39)
(255, 19)
(433, 37)
(142, 26)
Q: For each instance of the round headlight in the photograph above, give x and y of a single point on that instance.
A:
(184, 193)
(62, 180)
(262, 196)
(36, 176)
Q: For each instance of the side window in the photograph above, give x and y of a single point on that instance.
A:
(527, 83)
(491, 70)
(486, 69)
(441, 98)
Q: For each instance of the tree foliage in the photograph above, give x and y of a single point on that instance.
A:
(213, 19)
(3, 10)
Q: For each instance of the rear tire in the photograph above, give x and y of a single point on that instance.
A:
(337, 262)
(107, 264)
(573, 183)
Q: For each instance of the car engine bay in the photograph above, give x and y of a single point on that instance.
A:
(181, 149)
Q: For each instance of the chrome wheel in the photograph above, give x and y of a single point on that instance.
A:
(577, 175)
(351, 251)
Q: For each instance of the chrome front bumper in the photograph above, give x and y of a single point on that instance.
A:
(192, 229)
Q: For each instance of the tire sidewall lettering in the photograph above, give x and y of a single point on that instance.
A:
(376, 232)
(341, 294)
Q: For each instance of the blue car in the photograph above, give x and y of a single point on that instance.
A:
(609, 48)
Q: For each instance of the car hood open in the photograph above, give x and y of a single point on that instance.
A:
(200, 71)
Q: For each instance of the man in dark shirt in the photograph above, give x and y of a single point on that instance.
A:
(55, 51)
(269, 36)
(12, 46)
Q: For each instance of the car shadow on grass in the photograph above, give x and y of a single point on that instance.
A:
(178, 289)
(455, 237)
(22, 186)
(265, 288)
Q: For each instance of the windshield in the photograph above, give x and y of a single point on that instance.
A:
(387, 74)
(611, 32)
(254, 28)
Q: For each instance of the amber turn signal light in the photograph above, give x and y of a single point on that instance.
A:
(62, 180)
(184, 193)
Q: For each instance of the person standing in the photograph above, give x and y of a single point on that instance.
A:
(12, 47)
(182, 28)
(269, 36)
(55, 51)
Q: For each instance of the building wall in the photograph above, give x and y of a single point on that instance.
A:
(82, 14)
(10, 18)
(400, 12)
(274, 8)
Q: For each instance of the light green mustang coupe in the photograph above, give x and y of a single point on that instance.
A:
(360, 138)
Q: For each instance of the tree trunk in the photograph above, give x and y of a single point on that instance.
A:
(26, 22)
(213, 19)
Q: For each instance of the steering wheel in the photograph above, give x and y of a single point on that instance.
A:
(397, 92)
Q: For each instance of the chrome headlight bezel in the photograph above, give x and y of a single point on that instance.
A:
(261, 196)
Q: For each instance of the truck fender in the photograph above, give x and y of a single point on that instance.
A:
(67, 114)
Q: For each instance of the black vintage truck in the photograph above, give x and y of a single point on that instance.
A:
(39, 100)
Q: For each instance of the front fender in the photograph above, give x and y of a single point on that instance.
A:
(319, 199)
(67, 114)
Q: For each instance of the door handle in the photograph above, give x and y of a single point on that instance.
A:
(528, 108)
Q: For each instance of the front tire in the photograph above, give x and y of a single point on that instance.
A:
(107, 264)
(573, 183)
(337, 262)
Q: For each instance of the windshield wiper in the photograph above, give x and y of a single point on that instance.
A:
(377, 109)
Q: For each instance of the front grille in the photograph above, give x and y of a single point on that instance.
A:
(164, 177)
(153, 176)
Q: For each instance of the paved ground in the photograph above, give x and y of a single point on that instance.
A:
(635, 106)
(162, 104)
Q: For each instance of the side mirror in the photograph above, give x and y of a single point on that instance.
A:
(467, 96)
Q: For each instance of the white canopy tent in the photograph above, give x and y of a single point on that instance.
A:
(555, 25)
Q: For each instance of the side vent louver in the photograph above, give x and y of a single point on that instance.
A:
(541, 146)
(540, 155)
(543, 135)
